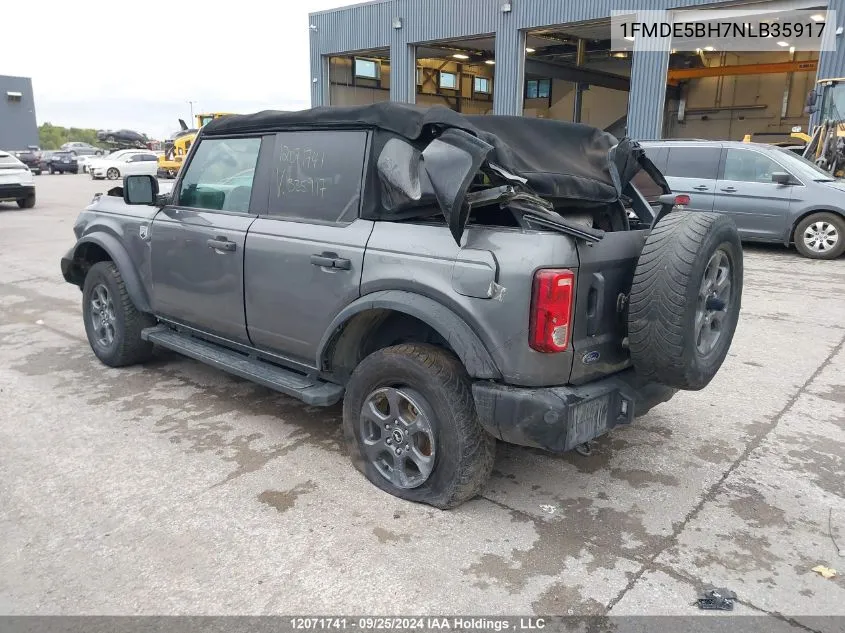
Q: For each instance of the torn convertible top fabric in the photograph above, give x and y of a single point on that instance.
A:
(562, 161)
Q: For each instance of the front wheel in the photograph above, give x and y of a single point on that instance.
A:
(112, 323)
(411, 427)
(112, 173)
(821, 236)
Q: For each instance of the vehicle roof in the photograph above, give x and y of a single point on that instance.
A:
(563, 161)
(706, 143)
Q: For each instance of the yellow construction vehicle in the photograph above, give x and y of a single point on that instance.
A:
(826, 145)
(177, 146)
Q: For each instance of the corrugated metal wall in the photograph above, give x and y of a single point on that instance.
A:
(18, 127)
(369, 26)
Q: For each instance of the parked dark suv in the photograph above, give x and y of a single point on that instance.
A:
(63, 163)
(31, 157)
(452, 279)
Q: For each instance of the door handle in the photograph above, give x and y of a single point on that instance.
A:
(331, 260)
(701, 187)
(729, 189)
(222, 244)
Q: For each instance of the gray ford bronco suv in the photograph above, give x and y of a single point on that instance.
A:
(454, 280)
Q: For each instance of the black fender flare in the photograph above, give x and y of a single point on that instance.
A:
(121, 259)
(460, 336)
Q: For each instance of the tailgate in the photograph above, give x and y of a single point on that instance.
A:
(605, 274)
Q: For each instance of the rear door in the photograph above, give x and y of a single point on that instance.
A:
(693, 170)
(305, 255)
(746, 192)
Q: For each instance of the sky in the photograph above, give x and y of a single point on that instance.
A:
(136, 64)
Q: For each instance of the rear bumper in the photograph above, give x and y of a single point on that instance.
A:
(558, 419)
(16, 191)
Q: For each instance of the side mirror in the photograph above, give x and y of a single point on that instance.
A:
(781, 178)
(140, 190)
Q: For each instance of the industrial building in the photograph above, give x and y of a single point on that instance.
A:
(18, 128)
(554, 59)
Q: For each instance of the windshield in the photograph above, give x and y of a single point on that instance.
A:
(833, 105)
(802, 165)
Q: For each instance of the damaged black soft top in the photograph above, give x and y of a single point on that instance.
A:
(569, 164)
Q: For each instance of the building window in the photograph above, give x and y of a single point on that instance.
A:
(14, 96)
(448, 80)
(419, 76)
(367, 68)
(538, 89)
(481, 85)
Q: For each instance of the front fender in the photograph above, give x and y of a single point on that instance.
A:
(118, 254)
(460, 336)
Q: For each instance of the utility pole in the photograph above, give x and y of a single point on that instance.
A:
(192, 111)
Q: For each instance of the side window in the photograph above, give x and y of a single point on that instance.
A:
(693, 162)
(744, 166)
(317, 176)
(658, 156)
(219, 176)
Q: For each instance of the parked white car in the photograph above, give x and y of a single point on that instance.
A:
(16, 182)
(124, 163)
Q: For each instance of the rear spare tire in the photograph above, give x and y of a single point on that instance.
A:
(685, 299)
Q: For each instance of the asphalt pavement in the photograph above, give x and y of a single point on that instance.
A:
(173, 488)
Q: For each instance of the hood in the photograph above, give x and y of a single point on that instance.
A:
(838, 185)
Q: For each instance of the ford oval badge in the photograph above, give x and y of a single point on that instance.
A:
(590, 357)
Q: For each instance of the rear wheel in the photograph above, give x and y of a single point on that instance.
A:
(410, 423)
(27, 203)
(821, 236)
(685, 299)
(112, 323)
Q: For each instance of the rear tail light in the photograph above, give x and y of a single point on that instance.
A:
(551, 310)
(682, 199)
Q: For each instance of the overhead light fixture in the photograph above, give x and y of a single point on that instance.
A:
(460, 56)
(698, 51)
(490, 62)
(630, 38)
(528, 49)
(620, 55)
(783, 44)
(791, 49)
(397, 23)
(710, 49)
(673, 51)
(818, 17)
(313, 27)
(506, 7)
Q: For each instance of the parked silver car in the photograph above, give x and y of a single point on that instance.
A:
(772, 194)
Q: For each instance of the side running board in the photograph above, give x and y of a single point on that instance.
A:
(309, 389)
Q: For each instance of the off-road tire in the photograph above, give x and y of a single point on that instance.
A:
(463, 453)
(662, 333)
(128, 348)
(833, 219)
(27, 203)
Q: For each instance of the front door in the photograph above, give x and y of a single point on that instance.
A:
(305, 257)
(746, 192)
(198, 242)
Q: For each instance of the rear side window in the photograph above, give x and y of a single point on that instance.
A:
(658, 156)
(693, 162)
(317, 176)
(219, 176)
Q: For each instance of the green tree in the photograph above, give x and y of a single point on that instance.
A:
(54, 136)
